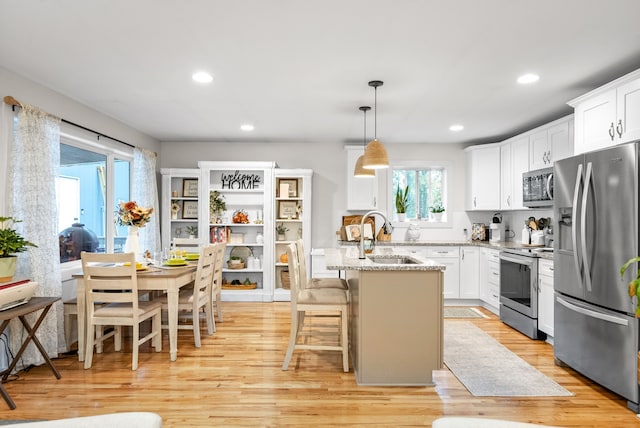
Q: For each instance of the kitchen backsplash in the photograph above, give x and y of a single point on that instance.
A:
(513, 220)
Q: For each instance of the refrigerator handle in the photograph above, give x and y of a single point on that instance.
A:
(574, 223)
(592, 314)
(583, 226)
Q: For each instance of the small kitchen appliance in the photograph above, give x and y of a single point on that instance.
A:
(496, 229)
(537, 188)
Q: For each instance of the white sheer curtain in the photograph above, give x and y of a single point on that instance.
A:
(145, 193)
(33, 168)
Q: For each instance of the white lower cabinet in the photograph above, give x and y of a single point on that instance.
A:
(545, 296)
(450, 257)
(490, 279)
(469, 268)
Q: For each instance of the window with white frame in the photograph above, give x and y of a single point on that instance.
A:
(93, 177)
(426, 187)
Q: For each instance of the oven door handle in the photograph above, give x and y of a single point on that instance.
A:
(527, 261)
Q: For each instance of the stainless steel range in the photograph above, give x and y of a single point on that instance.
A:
(519, 290)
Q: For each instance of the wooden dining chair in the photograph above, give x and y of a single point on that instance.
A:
(217, 279)
(310, 282)
(112, 299)
(330, 304)
(193, 299)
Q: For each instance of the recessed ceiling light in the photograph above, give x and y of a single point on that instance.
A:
(456, 128)
(528, 78)
(202, 77)
(247, 127)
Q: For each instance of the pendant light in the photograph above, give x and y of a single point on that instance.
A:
(359, 171)
(375, 155)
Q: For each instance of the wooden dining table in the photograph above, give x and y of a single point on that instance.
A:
(166, 279)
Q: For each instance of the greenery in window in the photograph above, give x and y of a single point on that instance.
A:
(424, 188)
(402, 200)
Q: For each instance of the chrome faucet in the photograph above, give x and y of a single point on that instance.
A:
(388, 228)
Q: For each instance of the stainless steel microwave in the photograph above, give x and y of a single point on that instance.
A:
(537, 188)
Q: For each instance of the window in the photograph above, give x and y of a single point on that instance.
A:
(92, 179)
(427, 189)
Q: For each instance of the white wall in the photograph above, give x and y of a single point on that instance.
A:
(328, 162)
(29, 92)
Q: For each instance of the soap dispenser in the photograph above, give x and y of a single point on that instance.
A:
(526, 237)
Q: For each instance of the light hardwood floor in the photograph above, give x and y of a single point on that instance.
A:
(235, 380)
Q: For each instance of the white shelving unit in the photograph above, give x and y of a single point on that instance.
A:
(247, 187)
(173, 191)
(293, 211)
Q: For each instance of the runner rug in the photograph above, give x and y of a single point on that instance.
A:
(461, 312)
(486, 368)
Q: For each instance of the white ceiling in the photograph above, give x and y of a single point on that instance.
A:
(298, 69)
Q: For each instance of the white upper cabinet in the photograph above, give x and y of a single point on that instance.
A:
(608, 115)
(361, 192)
(506, 178)
(483, 177)
(550, 143)
(514, 160)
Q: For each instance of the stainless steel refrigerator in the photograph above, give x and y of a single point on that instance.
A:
(596, 214)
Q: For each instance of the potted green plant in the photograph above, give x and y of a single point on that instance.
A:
(281, 229)
(437, 210)
(402, 202)
(192, 231)
(217, 206)
(11, 243)
(634, 285)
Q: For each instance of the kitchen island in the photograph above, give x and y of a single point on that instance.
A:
(396, 315)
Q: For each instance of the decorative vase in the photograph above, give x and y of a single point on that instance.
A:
(402, 216)
(8, 267)
(132, 244)
(413, 232)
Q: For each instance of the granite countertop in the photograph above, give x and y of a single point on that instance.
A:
(486, 244)
(347, 259)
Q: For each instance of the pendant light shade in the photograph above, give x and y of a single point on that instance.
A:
(359, 171)
(375, 155)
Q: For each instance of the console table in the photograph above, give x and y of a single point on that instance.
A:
(33, 305)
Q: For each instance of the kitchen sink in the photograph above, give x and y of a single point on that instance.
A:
(393, 260)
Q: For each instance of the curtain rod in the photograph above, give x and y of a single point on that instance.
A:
(9, 100)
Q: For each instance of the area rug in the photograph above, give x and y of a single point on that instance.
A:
(488, 369)
(461, 312)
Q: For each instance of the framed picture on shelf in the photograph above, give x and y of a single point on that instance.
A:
(190, 209)
(293, 188)
(287, 209)
(190, 188)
